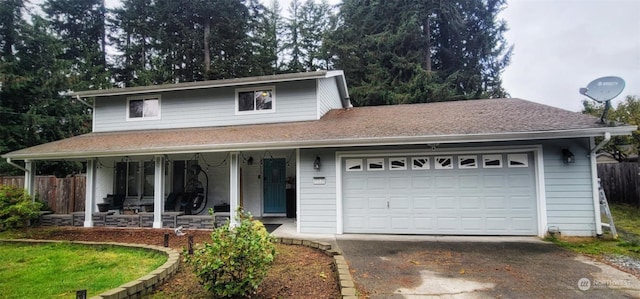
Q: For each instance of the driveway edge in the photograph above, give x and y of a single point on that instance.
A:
(347, 287)
(136, 288)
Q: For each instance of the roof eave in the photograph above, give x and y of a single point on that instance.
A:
(206, 84)
(370, 141)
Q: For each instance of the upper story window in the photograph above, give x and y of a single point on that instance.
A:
(256, 100)
(143, 108)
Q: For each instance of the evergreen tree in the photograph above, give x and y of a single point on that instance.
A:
(314, 24)
(33, 106)
(231, 52)
(293, 38)
(81, 25)
(132, 34)
(404, 52)
(262, 33)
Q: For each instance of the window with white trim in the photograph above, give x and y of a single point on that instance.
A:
(518, 160)
(143, 108)
(256, 100)
(398, 163)
(492, 161)
(375, 164)
(444, 162)
(467, 162)
(354, 164)
(419, 163)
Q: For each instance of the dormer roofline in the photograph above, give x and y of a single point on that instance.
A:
(246, 81)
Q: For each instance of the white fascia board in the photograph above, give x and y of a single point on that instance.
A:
(199, 85)
(383, 141)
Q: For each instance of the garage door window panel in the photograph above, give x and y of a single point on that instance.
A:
(398, 163)
(420, 163)
(466, 162)
(492, 161)
(518, 160)
(354, 164)
(444, 162)
(375, 164)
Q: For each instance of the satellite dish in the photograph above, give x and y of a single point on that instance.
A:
(603, 90)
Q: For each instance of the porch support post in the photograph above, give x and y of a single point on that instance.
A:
(89, 201)
(30, 178)
(158, 191)
(234, 187)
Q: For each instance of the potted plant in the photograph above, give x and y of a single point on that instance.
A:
(104, 207)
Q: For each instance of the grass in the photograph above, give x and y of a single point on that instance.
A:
(627, 222)
(58, 270)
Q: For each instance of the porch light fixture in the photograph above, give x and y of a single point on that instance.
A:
(567, 156)
(316, 163)
(250, 161)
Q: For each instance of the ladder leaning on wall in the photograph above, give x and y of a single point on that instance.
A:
(604, 208)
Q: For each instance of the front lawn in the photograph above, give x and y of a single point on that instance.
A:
(627, 222)
(58, 270)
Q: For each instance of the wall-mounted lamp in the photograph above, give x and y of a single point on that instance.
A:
(567, 156)
(250, 161)
(316, 163)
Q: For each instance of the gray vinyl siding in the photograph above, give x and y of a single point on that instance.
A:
(568, 187)
(328, 96)
(294, 101)
(317, 210)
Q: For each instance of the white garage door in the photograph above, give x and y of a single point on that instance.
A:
(466, 194)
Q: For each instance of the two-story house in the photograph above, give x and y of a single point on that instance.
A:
(292, 145)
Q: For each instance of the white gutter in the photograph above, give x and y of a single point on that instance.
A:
(16, 165)
(83, 102)
(607, 138)
(317, 143)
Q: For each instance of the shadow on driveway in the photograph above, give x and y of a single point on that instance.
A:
(462, 269)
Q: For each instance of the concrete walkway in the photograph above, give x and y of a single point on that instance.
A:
(392, 266)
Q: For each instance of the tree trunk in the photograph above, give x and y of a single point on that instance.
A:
(426, 30)
(206, 49)
(103, 32)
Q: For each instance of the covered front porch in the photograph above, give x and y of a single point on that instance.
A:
(173, 190)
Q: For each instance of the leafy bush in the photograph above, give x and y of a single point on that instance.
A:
(237, 259)
(16, 207)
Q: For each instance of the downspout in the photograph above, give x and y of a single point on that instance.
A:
(83, 102)
(607, 138)
(596, 182)
(16, 165)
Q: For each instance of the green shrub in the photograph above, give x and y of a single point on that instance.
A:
(16, 207)
(237, 259)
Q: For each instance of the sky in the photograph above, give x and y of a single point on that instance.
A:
(562, 45)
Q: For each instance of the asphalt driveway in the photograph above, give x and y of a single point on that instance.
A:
(392, 267)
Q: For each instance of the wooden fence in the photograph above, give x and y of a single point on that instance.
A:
(63, 195)
(621, 182)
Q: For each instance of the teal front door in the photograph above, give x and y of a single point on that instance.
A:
(274, 186)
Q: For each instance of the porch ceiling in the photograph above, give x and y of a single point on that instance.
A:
(443, 122)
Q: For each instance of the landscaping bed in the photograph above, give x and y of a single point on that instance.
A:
(297, 272)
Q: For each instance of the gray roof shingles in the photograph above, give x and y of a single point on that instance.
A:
(419, 122)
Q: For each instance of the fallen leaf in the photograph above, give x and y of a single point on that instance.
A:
(415, 262)
(461, 271)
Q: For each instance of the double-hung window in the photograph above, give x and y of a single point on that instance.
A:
(256, 100)
(143, 107)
